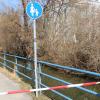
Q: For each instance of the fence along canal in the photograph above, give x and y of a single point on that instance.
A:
(48, 76)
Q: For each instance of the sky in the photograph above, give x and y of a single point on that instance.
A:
(10, 3)
(14, 3)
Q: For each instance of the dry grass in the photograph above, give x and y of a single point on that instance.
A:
(71, 35)
(13, 37)
(22, 84)
(68, 35)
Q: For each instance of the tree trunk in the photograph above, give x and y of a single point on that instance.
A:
(25, 15)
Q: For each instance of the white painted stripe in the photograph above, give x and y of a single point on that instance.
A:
(98, 83)
(74, 85)
(3, 93)
(41, 89)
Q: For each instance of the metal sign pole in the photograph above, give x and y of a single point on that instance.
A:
(34, 10)
(35, 56)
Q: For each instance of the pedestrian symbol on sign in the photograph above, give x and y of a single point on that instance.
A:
(34, 10)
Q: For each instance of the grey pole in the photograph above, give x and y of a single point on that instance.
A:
(35, 56)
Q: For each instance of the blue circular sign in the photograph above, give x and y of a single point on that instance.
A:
(34, 10)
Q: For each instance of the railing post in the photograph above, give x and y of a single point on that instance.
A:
(16, 67)
(5, 60)
(39, 77)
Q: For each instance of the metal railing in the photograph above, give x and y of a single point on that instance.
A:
(4, 60)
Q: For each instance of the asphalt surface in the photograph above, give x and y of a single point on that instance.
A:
(6, 85)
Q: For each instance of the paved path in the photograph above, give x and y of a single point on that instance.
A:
(6, 84)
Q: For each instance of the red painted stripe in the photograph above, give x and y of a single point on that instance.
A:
(89, 84)
(67, 86)
(58, 87)
(18, 91)
(52, 88)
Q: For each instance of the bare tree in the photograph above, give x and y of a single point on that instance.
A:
(13, 36)
(24, 2)
(69, 33)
